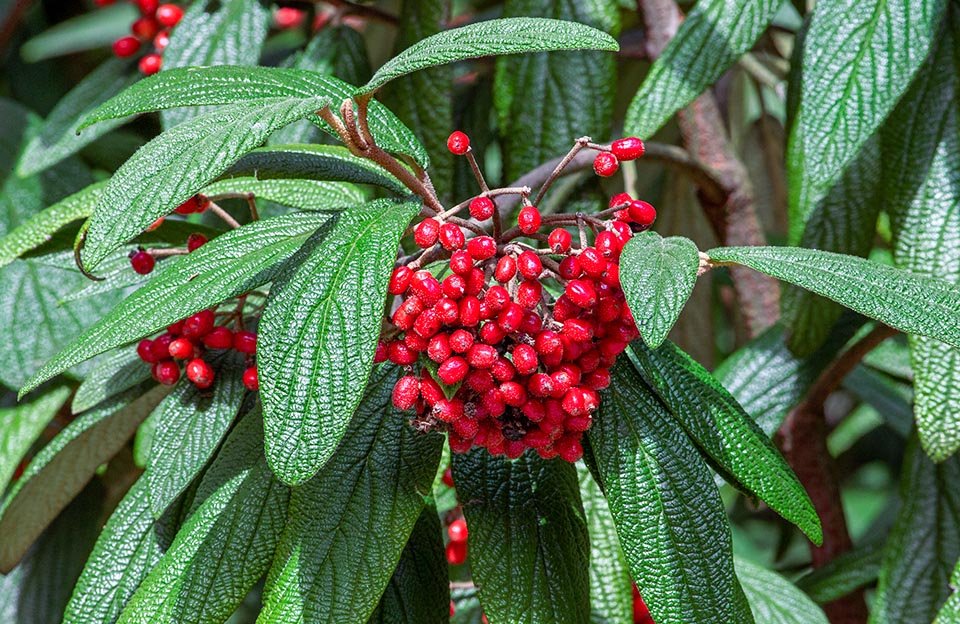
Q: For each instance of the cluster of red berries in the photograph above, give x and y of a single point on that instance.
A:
(605, 164)
(143, 261)
(151, 28)
(492, 357)
(187, 340)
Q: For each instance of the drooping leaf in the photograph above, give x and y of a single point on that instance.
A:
(318, 195)
(493, 37)
(180, 162)
(119, 371)
(528, 543)
(774, 599)
(225, 267)
(924, 544)
(668, 512)
(858, 60)
(902, 299)
(319, 331)
(348, 525)
(850, 571)
(722, 430)
(712, 36)
(86, 31)
(657, 275)
(21, 425)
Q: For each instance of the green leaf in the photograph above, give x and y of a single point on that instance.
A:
(179, 163)
(711, 38)
(950, 612)
(774, 599)
(117, 372)
(21, 426)
(318, 195)
(657, 275)
(40, 227)
(319, 331)
(348, 525)
(668, 512)
(64, 466)
(902, 299)
(190, 425)
(528, 543)
(227, 543)
(924, 544)
(418, 590)
(86, 31)
(493, 37)
(844, 574)
(212, 86)
(611, 599)
(229, 265)
(59, 136)
(726, 434)
(233, 34)
(858, 60)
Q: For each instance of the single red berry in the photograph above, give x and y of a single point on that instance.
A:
(430, 390)
(196, 204)
(506, 269)
(503, 369)
(531, 323)
(198, 325)
(529, 219)
(439, 349)
(482, 248)
(592, 262)
(145, 352)
(628, 148)
(220, 337)
(453, 370)
(126, 46)
(447, 310)
(456, 553)
(416, 342)
(642, 213)
(458, 530)
(578, 329)
(513, 393)
(380, 355)
(492, 334)
(605, 164)
(426, 233)
(568, 448)
(525, 359)
(250, 379)
(448, 477)
(559, 241)
(547, 342)
(400, 280)
(461, 263)
(482, 208)
(200, 373)
(620, 200)
(454, 286)
(452, 609)
(529, 293)
(160, 348)
(288, 17)
(458, 143)
(469, 311)
(103, 3)
(182, 348)
(145, 28)
(195, 241)
(570, 268)
(448, 410)
(406, 392)
(142, 262)
(245, 342)
(451, 236)
(529, 265)
(426, 286)
(581, 293)
(461, 341)
(608, 245)
(428, 323)
(481, 356)
(148, 7)
(479, 380)
(166, 372)
(162, 40)
(400, 354)
(540, 384)
(510, 317)
(476, 280)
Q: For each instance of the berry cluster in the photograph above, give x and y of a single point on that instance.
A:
(144, 260)
(509, 349)
(187, 340)
(151, 28)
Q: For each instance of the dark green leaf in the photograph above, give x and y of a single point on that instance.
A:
(840, 576)
(668, 512)
(319, 331)
(117, 372)
(180, 162)
(709, 41)
(725, 432)
(21, 426)
(528, 544)
(950, 612)
(858, 60)
(318, 195)
(228, 265)
(904, 300)
(774, 599)
(493, 37)
(658, 275)
(348, 525)
(86, 31)
(893, 400)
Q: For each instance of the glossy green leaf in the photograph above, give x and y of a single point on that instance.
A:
(225, 267)
(844, 574)
(774, 599)
(493, 37)
(319, 331)
(318, 195)
(348, 525)
(86, 31)
(21, 426)
(950, 612)
(528, 543)
(64, 466)
(904, 300)
(668, 512)
(657, 275)
(59, 136)
(611, 598)
(924, 544)
(858, 60)
(726, 434)
(180, 162)
(117, 372)
(712, 36)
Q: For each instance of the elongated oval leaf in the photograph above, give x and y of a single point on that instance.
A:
(667, 510)
(172, 167)
(319, 331)
(657, 274)
(22, 424)
(774, 599)
(118, 372)
(850, 571)
(709, 41)
(348, 525)
(318, 195)
(529, 548)
(225, 267)
(902, 299)
(493, 37)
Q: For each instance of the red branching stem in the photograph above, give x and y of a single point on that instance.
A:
(224, 215)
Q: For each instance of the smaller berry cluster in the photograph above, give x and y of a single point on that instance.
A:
(152, 29)
(143, 260)
(606, 163)
(187, 341)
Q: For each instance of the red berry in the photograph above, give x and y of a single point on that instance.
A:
(605, 164)
(496, 298)
(458, 530)
(162, 40)
(529, 265)
(540, 384)
(461, 263)
(476, 280)
(250, 379)
(503, 370)
(529, 219)
(642, 213)
(570, 268)
(461, 341)
(529, 293)
(142, 262)
(448, 411)
(439, 349)
(581, 293)
(492, 334)
(166, 372)
(452, 609)
(245, 342)
(447, 310)
(148, 7)
(510, 317)
(608, 245)
(426, 286)
(169, 14)
(145, 352)
(195, 241)
(547, 342)
(448, 477)
(451, 236)
(427, 324)
(200, 373)
(145, 28)
(198, 325)
(400, 280)
(426, 233)
(454, 286)
(400, 354)
(458, 143)
(592, 262)
(628, 148)
(380, 355)
(482, 356)
(181, 349)
(525, 359)
(513, 393)
(578, 330)
(568, 448)
(196, 204)
(456, 552)
(220, 337)
(126, 46)
(482, 248)
(506, 269)
(559, 241)
(621, 200)
(453, 370)
(160, 348)
(288, 17)
(482, 208)
(406, 392)
(469, 311)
